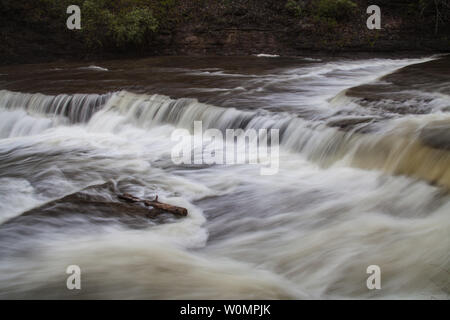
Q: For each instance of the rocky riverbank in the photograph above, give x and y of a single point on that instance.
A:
(32, 34)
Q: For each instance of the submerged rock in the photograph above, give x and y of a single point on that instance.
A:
(436, 135)
(98, 204)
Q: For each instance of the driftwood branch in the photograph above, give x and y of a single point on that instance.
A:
(155, 204)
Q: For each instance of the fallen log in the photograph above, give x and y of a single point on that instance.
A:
(155, 204)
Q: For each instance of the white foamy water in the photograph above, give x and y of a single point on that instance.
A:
(341, 201)
(266, 55)
(94, 68)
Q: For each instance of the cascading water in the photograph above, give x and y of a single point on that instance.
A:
(362, 181)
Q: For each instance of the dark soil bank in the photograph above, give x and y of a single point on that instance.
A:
(35, 31)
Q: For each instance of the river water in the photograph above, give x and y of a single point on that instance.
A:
(363, 179)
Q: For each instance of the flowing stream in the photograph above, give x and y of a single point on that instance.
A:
(363, 179)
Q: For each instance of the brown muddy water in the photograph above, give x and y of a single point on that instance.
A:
(363, 179)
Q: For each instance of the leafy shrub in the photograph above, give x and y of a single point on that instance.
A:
(294, 7)
(108, 26)
(133, 26)
(335, 9)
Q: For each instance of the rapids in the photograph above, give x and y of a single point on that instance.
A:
(363, 180)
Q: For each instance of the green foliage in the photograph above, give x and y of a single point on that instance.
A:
(167, 3)
(294, 7)
(338, 10)
(105, 25)
(133, 26)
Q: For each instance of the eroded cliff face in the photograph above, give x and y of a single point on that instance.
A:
(244, 41)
